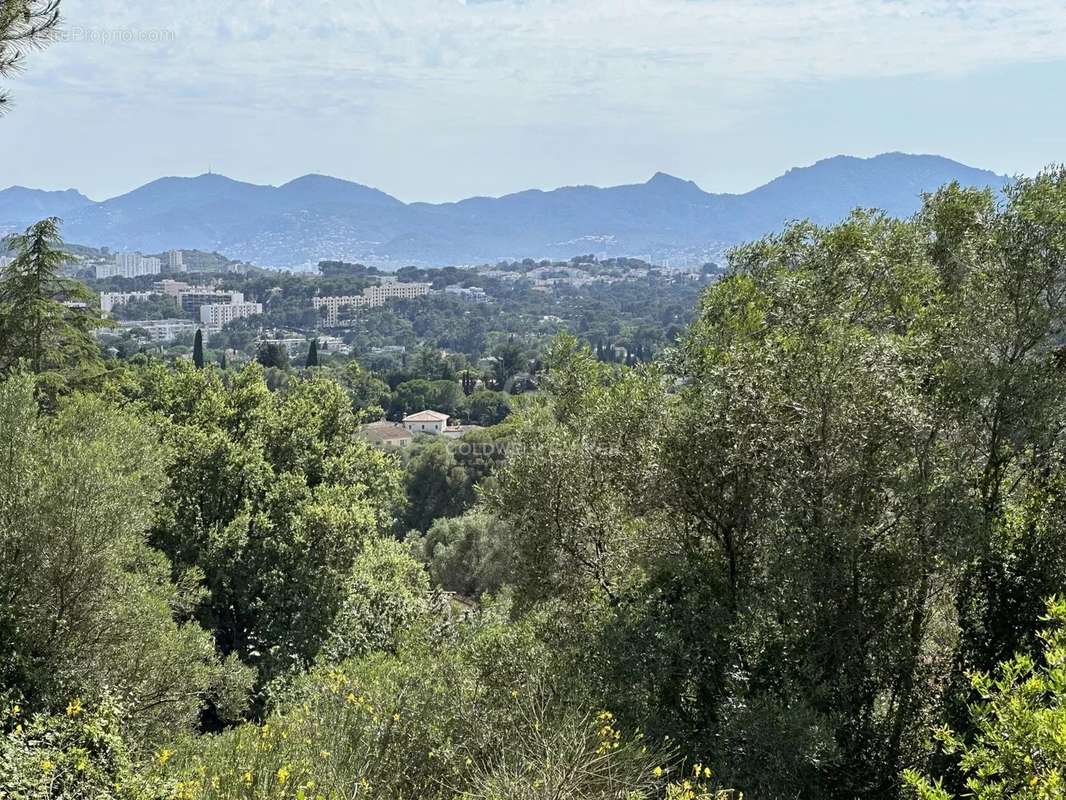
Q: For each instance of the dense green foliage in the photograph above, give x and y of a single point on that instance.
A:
(87, 608)
(262, 480)
(845, 501)
(469, 554)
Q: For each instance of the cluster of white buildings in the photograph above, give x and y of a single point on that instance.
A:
(108, 300)
(162, 330)
(133, 265)
(473, 294)
(296, 346)
(214, 308)
(5, 261)
(372, 297)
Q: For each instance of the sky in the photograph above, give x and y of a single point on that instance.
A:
(442, 99)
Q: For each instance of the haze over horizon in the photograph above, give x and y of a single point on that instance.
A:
(434, 101)
(518, 190)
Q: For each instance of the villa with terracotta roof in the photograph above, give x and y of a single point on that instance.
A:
(426, 422)
(387, 434)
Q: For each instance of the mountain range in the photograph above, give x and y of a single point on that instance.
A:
(665, 220)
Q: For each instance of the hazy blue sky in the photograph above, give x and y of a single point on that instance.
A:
(440, 99)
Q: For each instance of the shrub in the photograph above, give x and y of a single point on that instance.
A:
(79, 753)
(1019, 750)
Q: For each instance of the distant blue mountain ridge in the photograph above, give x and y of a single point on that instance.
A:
(665, 220)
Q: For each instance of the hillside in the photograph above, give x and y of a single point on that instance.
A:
(666, 219)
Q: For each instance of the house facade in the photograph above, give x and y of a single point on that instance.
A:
(432, 422)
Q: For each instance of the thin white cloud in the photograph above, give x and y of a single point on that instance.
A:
(620, 50)
(484, 95)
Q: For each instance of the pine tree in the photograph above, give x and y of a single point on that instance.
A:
(46, 320)
(24, 25)
(222, 361)
(312, 354)
(198, 349)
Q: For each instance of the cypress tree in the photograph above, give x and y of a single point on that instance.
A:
(198, 349)
(312, 354)
(469, 383)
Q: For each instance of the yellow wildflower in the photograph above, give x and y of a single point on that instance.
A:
(283, 775)
(163, 756)
(74, 708)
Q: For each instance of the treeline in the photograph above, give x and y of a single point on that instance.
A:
(812, 552)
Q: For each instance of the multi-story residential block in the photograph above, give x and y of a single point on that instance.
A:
(379, 295)
(129, 265)
(193, 298)
(108, 300)
(217, 315)
(333, 306)
(162, 330)
(175, 261)
(372, 297)
(171, 288)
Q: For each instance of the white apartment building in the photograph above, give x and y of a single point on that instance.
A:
(175, 261)
(379, 295)
(129, 265)
(333, 305)
(108, 300)
(171, 288)
(372, 297)
(193, 298)
(162, 330)
(217, 315)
